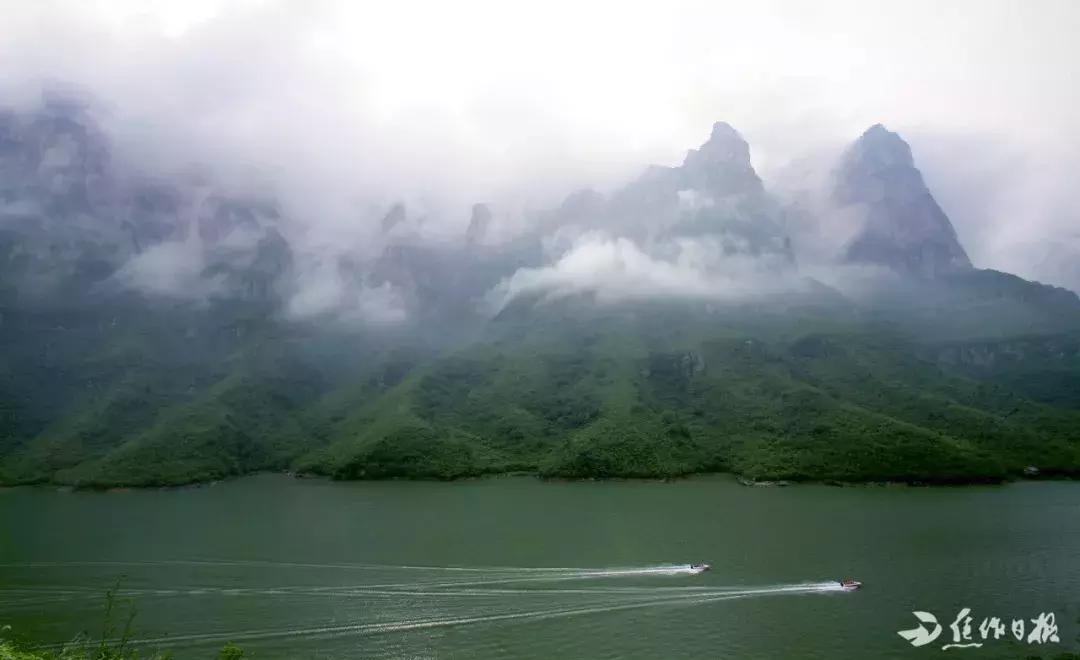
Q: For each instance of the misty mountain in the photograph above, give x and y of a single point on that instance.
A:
(164, 327)
(76, 225)
(903, 226)
(714, 193)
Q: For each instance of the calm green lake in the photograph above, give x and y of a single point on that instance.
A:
(515, 567)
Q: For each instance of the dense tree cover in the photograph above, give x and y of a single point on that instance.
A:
(572, 390)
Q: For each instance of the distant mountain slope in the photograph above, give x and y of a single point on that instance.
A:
(150, 333)
(627, 398)
(632, 391)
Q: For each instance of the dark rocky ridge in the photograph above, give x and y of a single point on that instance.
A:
(904, 228)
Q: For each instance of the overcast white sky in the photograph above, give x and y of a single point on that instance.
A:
(520, 102)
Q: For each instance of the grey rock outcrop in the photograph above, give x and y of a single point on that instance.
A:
(479, 224)
(903, 227)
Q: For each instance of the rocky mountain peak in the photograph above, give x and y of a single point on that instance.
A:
(721, 166)
(903, 228)
(725, 143)
(878, 149)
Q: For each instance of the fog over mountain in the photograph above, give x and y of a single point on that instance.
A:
(365, 240)
(336, 113)
(80, 222)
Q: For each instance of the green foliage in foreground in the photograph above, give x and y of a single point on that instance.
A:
(10, 650)
(568, 393)
(113, 643)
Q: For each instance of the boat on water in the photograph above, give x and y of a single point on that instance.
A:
(850, 585)
(699, 568)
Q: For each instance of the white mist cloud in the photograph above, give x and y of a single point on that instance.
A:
(325, 294)
(615, 269)
(345, 107)
(172, 270)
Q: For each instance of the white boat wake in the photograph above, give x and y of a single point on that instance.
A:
(419, 624)
(472, 583)
(693, 597)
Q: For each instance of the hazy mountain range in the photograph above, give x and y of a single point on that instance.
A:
(162, 328)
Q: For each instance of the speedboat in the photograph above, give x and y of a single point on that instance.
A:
(699, 568)
(850, 585)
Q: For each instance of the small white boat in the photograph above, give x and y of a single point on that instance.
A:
(850, 585)
(696, 569)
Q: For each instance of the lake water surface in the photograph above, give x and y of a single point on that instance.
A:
(515, 567)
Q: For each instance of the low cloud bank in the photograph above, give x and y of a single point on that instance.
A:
(614, 269)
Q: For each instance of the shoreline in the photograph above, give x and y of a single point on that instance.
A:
(119, 488)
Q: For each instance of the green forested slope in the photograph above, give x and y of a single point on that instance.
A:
(561, 390)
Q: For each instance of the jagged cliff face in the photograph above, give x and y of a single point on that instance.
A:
(715, 194)
(74, 223)
(54, 160)
(721, 167)
(903, 228)
(54, 184)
